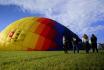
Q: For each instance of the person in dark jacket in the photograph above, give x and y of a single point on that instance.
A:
(85, 42)
(65, 44)
(94, 43)
(75, 44)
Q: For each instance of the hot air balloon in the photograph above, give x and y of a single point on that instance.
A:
(34, 33)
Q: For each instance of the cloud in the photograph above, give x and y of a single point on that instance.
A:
(79, 15)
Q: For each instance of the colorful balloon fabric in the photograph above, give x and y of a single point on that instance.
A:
(33, 33)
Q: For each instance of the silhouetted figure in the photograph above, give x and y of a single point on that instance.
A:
(75, 44)
(65, 44)
(94, 43)
(85, 42)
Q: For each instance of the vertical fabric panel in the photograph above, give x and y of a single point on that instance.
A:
(40, 28)
(40, 43)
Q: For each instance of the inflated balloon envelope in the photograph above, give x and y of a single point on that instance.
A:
(33, 33)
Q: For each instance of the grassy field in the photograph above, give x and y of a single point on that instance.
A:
(50, 60)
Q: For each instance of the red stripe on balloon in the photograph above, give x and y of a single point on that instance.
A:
(52, 33)
(47, 44)
(46, 21)
(45, 31)
(53, 45)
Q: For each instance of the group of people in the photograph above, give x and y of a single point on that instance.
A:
(86, 44)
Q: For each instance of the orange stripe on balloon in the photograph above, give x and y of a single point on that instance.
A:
(34, 27)
(40, 28)
(40, 43)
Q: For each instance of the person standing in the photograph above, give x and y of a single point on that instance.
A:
(85, 42)
(65, 44)
(75, 44)
(94, 43)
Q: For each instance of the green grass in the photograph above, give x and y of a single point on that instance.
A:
(50, 60)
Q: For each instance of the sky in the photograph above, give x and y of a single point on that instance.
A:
(80, 16)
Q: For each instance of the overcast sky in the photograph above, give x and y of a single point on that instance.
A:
(81, 16)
